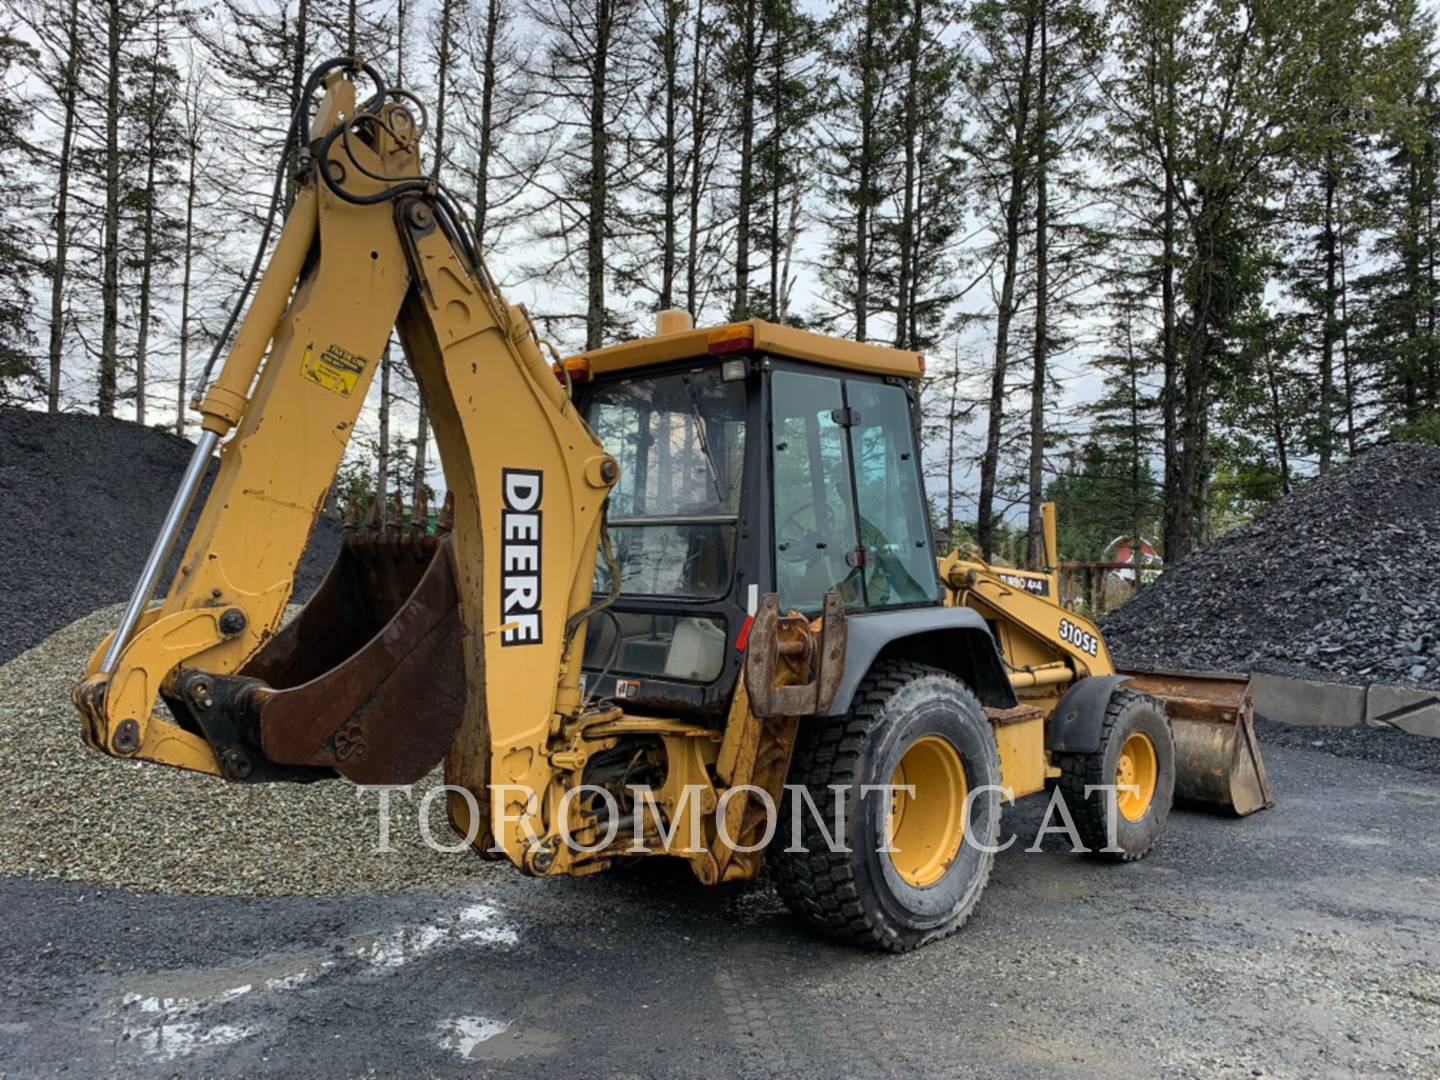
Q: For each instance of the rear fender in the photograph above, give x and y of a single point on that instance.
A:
(954, 639)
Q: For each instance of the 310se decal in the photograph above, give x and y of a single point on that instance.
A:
(1081, 639)
(520, 557)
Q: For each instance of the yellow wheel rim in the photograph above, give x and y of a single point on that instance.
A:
(1135, 775)
(928, 824)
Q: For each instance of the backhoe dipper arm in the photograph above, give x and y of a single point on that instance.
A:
(388, 668)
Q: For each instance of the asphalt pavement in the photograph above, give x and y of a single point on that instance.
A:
(1302, 941)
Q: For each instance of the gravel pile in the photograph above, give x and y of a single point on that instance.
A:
(72, 812)
(81, 499)
(1340, 581)
(1385, 746)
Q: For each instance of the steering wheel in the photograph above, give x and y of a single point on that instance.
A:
(794, 543)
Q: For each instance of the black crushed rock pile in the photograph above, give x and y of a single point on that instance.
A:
(81, 500)
(1338, 581)
(1384, 746)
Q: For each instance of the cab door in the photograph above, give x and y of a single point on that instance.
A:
(897, 563)
(848, 506)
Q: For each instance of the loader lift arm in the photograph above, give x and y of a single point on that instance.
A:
(371, 244)
(1058, 660)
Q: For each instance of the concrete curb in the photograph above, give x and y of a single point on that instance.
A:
(1412, 710)
(1308, 703)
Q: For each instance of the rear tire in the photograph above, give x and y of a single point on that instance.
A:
(1137, 749)
(909, 724)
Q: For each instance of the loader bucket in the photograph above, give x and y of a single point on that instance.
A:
(368, 679)
(1217, 756)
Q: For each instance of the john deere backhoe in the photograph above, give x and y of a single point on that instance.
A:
(672, 578)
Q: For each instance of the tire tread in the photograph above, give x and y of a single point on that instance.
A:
(819, 885)
(1078, 771)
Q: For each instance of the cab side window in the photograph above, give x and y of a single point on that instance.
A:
(849, 512)
(814, 504)
(899, 568)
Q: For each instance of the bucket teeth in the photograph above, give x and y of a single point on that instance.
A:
(372, 515)
(351, 515)
(445, 520)
(397, 512)
(420, 512)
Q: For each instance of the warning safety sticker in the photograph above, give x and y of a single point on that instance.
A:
(336, 369)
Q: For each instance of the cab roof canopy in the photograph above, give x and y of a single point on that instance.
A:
(756, 335)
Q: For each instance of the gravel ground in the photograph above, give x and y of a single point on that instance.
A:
(1338, 580)
(69, 809)
(81, 499)
(1300, 942)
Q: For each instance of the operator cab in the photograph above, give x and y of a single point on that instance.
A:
(754, 458)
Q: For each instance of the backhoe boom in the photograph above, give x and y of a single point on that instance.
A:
(412, 635)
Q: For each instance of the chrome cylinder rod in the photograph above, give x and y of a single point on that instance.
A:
(160, 552)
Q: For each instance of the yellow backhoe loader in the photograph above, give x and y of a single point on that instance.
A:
(685, 579)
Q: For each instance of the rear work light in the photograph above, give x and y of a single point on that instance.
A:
(728, 339)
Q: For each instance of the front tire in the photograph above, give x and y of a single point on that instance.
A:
(1137, 755)
(909, 725)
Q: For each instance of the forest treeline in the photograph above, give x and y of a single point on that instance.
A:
(1166, 258)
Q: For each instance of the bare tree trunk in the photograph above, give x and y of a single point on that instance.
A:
(1014, 206)
(401, 7)
(110, 279)
(382, 464)
(487, 113)
(746, 165)
(1432, 366)
(1169, 339)
(792, 230)
(442, 76)
(694, 191)
(670, 58)
(865, 180)
(1278, 422)
(147, 244)
(1035, 541)
(387, 392)
(1346, 370)
(1327, 330)
(1135, 451)
(907, 210)
(297, 82)
(1191, 504)
(599, 157)
(147, 228)
(952, 422)
(442, 79)
(186, 279)
(777, 112)
(422, 451)
(917, 230)
(68, 93)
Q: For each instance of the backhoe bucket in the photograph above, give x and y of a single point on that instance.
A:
(1217, 756)
(368, 679)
